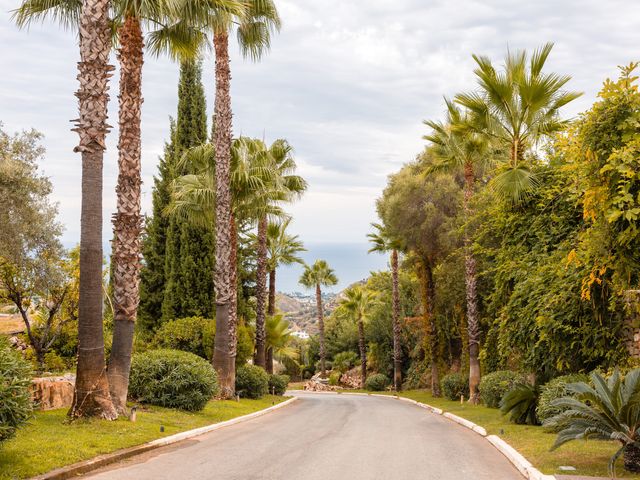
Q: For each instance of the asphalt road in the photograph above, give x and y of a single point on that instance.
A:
(327, 437)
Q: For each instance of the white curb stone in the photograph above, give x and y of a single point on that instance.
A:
(210, 428)
(466, 423)
(518, 461)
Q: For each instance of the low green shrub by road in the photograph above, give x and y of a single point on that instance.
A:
(49, 442)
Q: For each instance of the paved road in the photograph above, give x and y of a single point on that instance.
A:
(327, 437)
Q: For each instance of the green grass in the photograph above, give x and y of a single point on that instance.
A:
(590, 458)
(50, 442)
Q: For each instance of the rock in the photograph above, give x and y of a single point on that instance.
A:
(314, 386)
(352, 378)
(49, 393)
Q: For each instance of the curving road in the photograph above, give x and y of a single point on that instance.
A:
(327, 437)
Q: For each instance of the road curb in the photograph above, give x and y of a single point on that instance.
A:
(100, 461)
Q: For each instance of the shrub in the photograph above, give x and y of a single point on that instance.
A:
(278, 384)
(376, 382)
(455, 385)
(494, 385)
(191, 334)
(15, 400)
(54, 362)
(172, 378)
(251, 381)
(610, 410)
(554, 389)
(344, 361)
(334, 378)
(521, 402)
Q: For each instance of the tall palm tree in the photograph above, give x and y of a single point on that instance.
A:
(458, 146)
(355, 305)
(383, 243)
(317, 276)
(254, 29)
(285, 187)
(283, 249)
(194, 196)
(91, 396)
(517, 107)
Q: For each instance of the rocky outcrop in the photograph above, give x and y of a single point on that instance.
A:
(50, 393)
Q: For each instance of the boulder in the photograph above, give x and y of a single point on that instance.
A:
(50, 393)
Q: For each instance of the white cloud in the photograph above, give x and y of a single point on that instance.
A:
(348, 83)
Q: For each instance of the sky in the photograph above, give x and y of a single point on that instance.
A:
(347, 82)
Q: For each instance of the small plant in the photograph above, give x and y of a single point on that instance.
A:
(521, 402)
(493, 386)
(172, 378)
(454, 386)
(610, 410)
(278, 384)
(334, 378)
(251, 382)
(15, 400)
(344, 361)
(554, 389)
(191, 334)
(376, 382)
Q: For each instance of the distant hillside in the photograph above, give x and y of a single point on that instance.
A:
(300, 310)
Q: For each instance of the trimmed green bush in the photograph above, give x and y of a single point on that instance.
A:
(376, 382)
(15, 380)
(172, 378)
(344, 361)
(334, 378)
(455, 385)
(278, 384)
(191, 334)
(554, 389)
(494, 385)
(251, 381)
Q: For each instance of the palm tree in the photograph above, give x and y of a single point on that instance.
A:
(283, 249)
(608, 409)
(254, 29)
(455, 145)
(317, 276)
(194, 196)
(383, 243)
(91, 396)
(355, 305)
(278, 342)
(517, 108)
(285, 187)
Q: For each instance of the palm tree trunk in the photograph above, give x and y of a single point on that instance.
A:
(428, 297)
(363, 353)
(320, 309)
(127, 221)
(223, 360)
(91, 395)
(269, 360)
(473, 327)
(261, 292)
(271, 307)
(397, 348)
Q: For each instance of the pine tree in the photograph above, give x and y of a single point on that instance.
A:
(177, 278)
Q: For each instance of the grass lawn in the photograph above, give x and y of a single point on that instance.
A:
(50, 442)
(590, 458)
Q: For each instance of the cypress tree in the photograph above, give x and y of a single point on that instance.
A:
(177, 278)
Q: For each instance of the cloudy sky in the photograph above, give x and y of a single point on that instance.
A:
(347, 82)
